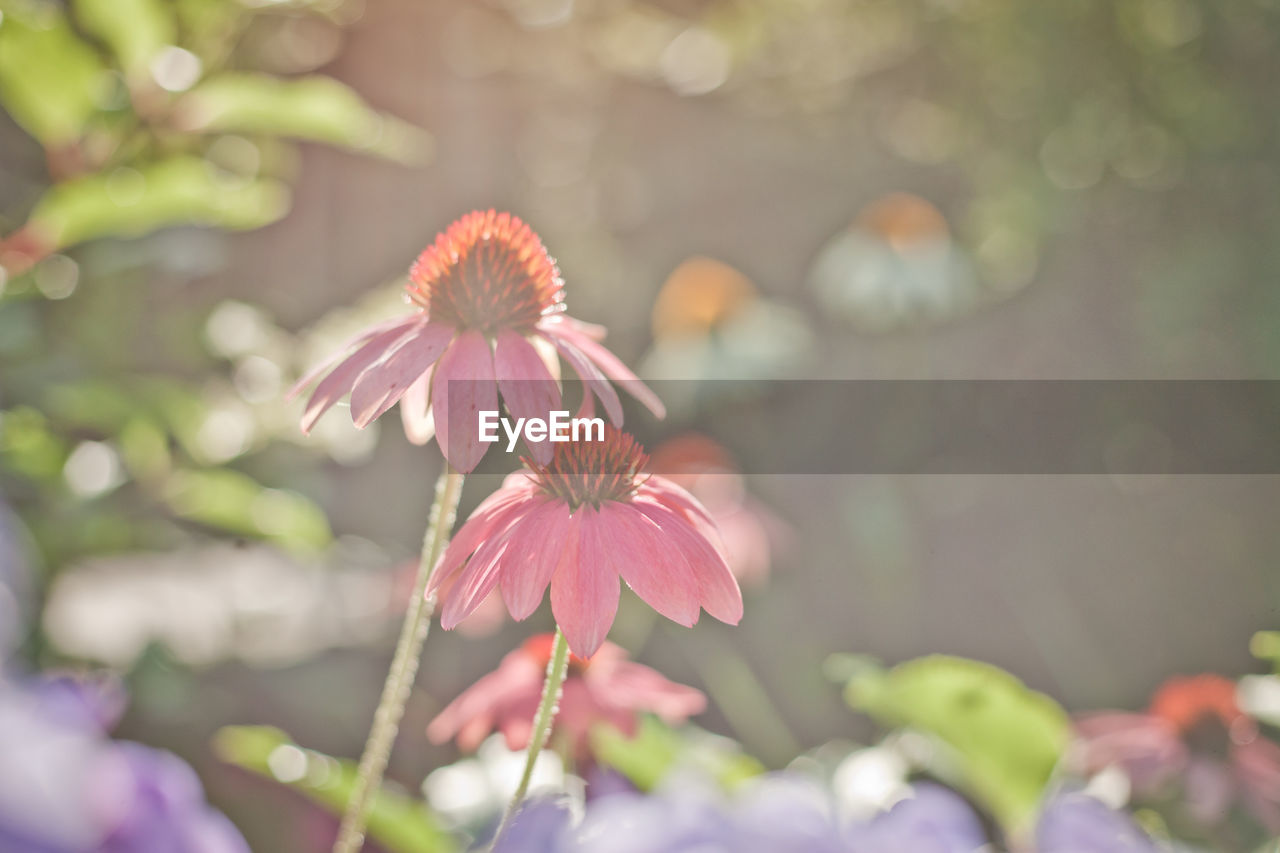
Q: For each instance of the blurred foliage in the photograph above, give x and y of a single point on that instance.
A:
(153, 114)
(656, 749)
(1005, 740)
(399, 823)
(138, 103)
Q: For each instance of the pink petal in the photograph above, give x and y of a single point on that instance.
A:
(467, 365)
(676, 498)
(415, 410)
(365, 335)
(498, 512)
(379, 387)
(477, 579)
(636, 549)
(591, 375)
(636, 686)
(338, 383)
(584, 593)
(536, 545)
(611, 365)
(516, 675)
(717, 587)
(592, 330)
(527, 387)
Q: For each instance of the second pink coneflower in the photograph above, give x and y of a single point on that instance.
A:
(578, 524)
(488, 296)
(605, 688)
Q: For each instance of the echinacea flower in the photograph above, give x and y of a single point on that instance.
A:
(605, 688)
(1193, 735)
(577, 524)
(488, 296)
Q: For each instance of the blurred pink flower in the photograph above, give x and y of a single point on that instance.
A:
(1193, 732)
(487, 294)
(578, 524)
(751, 533)
(605, 688)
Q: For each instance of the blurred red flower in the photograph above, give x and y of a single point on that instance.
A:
(605, 688)
(1193, 735)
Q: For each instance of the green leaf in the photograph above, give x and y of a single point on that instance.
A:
(315, 108)
(398, 823)
(656, 748)
(237, 503)
(1005, 738)
(128, 202)
(48, 76)
(135, 30)
(29, 446)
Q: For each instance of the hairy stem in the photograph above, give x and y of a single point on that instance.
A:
(404, 668)
(556, 668)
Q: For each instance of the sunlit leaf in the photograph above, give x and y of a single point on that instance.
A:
(135, 30)
(176, 191)
(29, 447)
(656, 748)
(48, 75)
(1005, 738)
(238, 504)
(314, 108)
(398, 823)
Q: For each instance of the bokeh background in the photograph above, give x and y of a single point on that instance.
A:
(199, 197)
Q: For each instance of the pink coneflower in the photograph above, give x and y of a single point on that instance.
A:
(605, 688)
(487, 292)
(1193, 733)
(579, 523)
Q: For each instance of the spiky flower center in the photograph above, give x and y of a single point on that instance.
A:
(487, 271)
(591, 472)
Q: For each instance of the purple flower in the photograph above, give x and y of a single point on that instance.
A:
(66, 788)
(778, 814)
(1077, 823)
(932, 820)
(541, 826)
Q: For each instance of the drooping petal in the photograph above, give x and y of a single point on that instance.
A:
(498, 512)
(592, 330)
(379, 387)
(415, 410)
(634, 685)
(536, 545)
(610, 364)
(339, 383)
(467, 366)
(1147, 748)
(527, 387)
(476, 580)
(670, 495)
(717, 587)
(590, 374)
(516, 674)
(584, 593)
(636, 549)
(365, 335)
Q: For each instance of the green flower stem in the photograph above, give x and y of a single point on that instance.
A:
(556, 668)
(404, 668)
